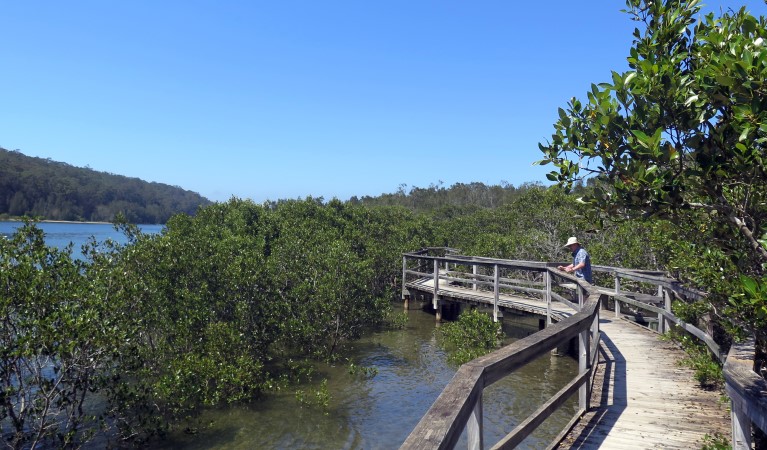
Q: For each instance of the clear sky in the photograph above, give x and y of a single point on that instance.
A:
(286, 99)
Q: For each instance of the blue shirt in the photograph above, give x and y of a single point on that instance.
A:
(580, 256)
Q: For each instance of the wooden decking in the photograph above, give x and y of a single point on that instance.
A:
(558, 310)
(647, 400)
(643, 398)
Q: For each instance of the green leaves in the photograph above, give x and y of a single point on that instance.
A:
(473, 335)
(56, 336)
(681, 134)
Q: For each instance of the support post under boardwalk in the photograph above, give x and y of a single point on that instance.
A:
(474, 427)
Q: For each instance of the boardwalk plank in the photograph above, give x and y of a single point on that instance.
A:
(644, 398)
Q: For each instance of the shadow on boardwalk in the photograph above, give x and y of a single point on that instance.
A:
(643, 397)
(611, 379)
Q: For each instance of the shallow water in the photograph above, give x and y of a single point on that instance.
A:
(380, 412)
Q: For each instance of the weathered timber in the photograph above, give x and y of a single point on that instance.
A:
(636, 417)
(747, 391)
(505, 360)
(708, 340)
(542, 413)
(441, 427)
(567, 302)
(432, 430)
(646, 400)
(467, 294)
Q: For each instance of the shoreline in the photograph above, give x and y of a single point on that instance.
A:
(57, 221)
(75, 222)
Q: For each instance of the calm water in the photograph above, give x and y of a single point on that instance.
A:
(61, 234)
(380, 412)
(366, 413)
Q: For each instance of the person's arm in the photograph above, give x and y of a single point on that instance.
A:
(580, 265)
(571, 268)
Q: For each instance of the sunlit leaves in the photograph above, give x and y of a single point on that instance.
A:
(682, 130)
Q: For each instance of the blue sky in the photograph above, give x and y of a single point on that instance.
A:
(286, 99)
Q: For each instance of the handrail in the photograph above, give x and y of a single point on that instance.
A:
(460, 404)
(747, 391)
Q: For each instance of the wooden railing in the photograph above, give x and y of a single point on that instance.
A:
(459, 406)
(748, 394)
(746, 389)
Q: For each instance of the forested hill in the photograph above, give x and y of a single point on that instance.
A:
(53, 190)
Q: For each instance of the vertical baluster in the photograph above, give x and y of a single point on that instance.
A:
(474, 426)
(741, 425)
(617, 293)
(583, 358)
(661, 323)
(496, 288)
(547, 277)
(436, 284)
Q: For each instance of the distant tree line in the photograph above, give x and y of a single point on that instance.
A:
(460, 198)
(52, 190)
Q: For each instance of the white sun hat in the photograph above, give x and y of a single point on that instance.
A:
(571, 241)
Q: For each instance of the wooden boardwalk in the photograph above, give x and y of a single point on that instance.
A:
(645, 399)
(558, 310)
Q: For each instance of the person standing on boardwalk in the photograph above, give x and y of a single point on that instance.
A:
(581, 265)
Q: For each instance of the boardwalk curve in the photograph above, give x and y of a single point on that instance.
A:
(649, 400)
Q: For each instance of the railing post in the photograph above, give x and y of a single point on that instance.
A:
(580, 297)
(617, 293)
(594, 330)
(661, 325)
(474, 272)
(583, 361)
(496, 288)
(667, 307)
(436, 284)
(741, 426)
(547, 277)
(474, 426)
